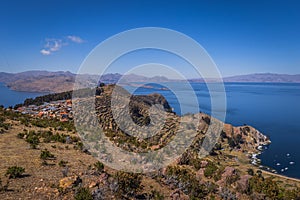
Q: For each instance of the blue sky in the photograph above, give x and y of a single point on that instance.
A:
(241, 36)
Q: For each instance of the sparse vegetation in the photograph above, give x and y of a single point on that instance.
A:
(210, 169)
(15, 172)
(32, 139)
(83, 194)
(99, 166)
(250, 172)
(186, 179)
(127, 184)
(62, 163)
(3, 125)
(45, 155)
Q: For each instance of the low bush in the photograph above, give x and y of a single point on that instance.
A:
(45, 155)
(15, 172)
(210, 170)
(99, 166)
(83, 194)
(62, 163)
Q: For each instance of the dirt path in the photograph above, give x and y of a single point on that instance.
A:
(281, 176)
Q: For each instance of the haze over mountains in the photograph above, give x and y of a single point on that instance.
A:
(45, 81)
(265, 78)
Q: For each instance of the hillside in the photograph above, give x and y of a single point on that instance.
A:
(39, 81)
(44, 81)
(58, 166)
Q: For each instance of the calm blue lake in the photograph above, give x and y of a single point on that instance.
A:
(10, 98)
(274, 109)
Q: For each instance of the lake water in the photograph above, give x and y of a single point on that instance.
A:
(273, 109)
(10, 97)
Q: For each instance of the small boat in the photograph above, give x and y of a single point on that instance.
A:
(291, 163)
(278, 164)
(288, 154)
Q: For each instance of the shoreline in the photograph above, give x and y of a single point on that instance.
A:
(255, 161)
(281, 176)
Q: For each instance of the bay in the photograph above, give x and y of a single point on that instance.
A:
(10, 97)
(273, 109)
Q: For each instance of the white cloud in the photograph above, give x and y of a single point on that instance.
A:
(54, 44)
(45, 52)
(51, 44)
(75, 39)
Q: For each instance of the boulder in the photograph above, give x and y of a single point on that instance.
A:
(228, 171)
(69, 182)
(204, 163)
(200, 174)
(243, 183)
(228, 129)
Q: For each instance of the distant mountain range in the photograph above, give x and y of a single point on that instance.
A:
(265, 78)
(39, 81)
(45, 81)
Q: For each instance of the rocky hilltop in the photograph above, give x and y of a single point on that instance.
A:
(46, 159)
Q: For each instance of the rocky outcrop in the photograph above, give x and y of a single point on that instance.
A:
(69, 182)
(228, 173)
(243, 183)
(245, 137)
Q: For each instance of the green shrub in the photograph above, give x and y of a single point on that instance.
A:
(210, 169)
(292, 194)
(218, 175)
(231, 142)
(265, 186)
(78, 146)
(128, 183)
(62, 163)
(83, 194)
(186, 179)
(21, 135)
(33, 139)
(15, 172)
(99, 166)
(250, 172)
(45, 154)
